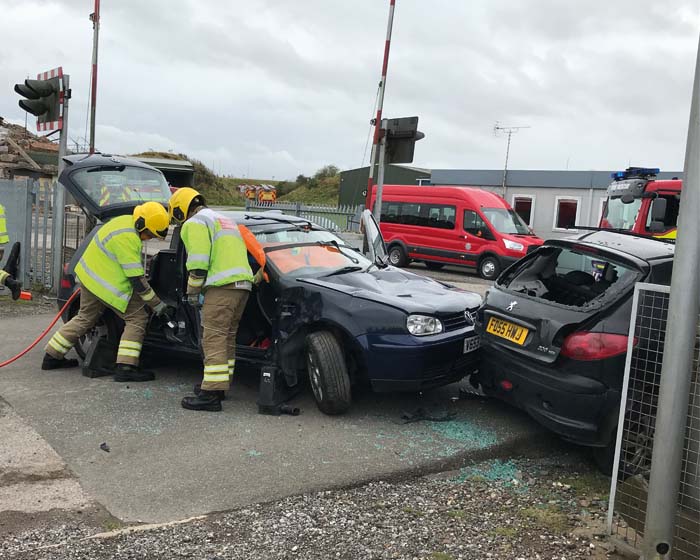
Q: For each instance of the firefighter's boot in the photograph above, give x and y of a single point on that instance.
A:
(206, 400)
(50, 362)
(14, 286)
(198, 391)
(125, 373)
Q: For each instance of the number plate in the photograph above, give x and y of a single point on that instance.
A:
(471, 344)
(507, 330)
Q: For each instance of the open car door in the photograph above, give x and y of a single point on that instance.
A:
(373, 244)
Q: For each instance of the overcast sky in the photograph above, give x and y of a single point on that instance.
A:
(265, 88)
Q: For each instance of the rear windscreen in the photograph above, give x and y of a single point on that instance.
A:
(571, 278)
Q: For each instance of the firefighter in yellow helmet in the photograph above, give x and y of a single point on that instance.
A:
(111, 276)
(217, 262)
(5, 278)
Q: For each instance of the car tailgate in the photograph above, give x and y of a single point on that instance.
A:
(528, 326)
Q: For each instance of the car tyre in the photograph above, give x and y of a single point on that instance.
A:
(107, 327)
(489, 268)
(328, 373)
(431, 265)
(397, 256)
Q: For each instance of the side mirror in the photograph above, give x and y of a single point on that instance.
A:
(658, 210)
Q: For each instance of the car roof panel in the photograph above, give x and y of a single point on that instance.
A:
(631, 246)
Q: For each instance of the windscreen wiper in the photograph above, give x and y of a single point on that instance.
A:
(343, 270)
(340, 250)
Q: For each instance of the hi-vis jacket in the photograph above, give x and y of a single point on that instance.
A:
(214, 244)
(112, 257)
(4, 238)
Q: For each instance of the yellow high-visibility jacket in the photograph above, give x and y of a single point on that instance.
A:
(214, 245)
(110, 259)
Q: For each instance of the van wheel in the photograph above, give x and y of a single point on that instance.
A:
(489, 268)
(431, 265)
(397, 256)
(328, 373)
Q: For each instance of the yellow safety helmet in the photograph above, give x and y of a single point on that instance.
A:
(153, 217)
(180, 203)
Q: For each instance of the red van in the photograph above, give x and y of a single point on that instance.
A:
(452, 225)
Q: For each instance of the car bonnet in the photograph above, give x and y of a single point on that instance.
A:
(400, 289)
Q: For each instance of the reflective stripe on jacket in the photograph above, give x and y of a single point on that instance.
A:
(214, 244)
(110, 259)
(4, 238)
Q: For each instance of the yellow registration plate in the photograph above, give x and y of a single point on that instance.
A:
(507, 330)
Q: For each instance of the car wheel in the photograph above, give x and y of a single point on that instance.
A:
(106, 327)
(635, 457)
(489, 268)
(397, 256)
(431, 265)
(328, 373)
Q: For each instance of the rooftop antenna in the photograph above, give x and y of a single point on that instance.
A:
(498, 130)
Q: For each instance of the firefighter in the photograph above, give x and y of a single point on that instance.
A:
(111, 275)
(6, 280)
(217, 262)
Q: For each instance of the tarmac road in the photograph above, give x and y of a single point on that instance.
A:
(166, 463)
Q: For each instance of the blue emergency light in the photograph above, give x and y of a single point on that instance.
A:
(635, 172)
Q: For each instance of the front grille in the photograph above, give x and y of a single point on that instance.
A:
(454, 321)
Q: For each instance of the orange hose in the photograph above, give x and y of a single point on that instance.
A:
(43, 334)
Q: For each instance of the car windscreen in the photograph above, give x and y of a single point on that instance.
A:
(303, 252)
(109, 185)
(570, 277)
(619, 215)
(506, 221)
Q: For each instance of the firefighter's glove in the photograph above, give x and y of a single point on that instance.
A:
(160, 309)
(193, 299)
(258, 276)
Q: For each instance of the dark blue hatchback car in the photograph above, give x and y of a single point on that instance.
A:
(334, 312)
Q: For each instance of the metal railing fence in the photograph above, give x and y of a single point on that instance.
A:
(334, 218)
(635, 439)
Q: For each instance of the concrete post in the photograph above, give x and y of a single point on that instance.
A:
(684, 305)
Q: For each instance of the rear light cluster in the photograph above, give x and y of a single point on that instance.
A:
(587, 346)
(66, 280)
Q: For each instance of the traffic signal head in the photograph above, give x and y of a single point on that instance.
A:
(42, 98)
(401, 137)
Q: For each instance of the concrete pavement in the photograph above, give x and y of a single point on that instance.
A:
(167, 463)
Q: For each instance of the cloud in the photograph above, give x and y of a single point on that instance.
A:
(281, 88)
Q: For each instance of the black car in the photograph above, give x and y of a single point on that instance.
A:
(332, 311)
(555, 328)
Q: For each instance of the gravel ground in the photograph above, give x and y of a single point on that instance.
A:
(552, 508)
(38, 306)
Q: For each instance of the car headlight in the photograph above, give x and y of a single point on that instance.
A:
(513, 245)
(422, 325)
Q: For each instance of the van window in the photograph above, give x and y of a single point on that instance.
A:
(506, 221)
(474, 224)
(427, 215)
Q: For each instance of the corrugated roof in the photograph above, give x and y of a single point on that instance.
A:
(531, 178)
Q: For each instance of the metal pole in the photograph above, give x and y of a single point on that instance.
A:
(380, 105)
(380, 177)
(676, 369)
(95, 17)
(505, 166)
(60, 199)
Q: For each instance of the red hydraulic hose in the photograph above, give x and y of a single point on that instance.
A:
(43, 334)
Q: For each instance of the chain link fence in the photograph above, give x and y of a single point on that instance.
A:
(630, 486)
